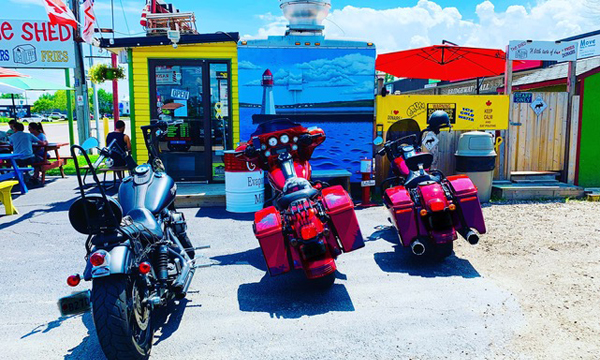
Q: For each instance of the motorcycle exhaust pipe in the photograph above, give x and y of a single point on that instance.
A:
(470, 236)
(418, 248)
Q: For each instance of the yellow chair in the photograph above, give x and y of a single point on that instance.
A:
(6, 197)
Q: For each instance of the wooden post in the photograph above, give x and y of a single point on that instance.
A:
(571, 86)
(506, 150)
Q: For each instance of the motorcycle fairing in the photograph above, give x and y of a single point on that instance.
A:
(340, 208)
(467, 202)
(399, 202)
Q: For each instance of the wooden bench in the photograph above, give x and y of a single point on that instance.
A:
(6, 196)
(327, 175)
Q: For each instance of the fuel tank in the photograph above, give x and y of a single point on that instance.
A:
(147, 189)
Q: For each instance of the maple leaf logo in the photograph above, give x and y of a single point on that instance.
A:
(488, 103)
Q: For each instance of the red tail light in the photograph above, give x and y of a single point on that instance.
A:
(437, 205)
(145, 268)
(308, 232)
(73, 280)
(97, 258)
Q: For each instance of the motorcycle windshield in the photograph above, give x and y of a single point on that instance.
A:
(402, 128)
(273, 126)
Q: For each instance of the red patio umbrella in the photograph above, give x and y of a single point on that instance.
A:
(10, 73)
(443, 62)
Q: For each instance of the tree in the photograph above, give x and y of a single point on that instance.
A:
(43, 104)
(9, 96)
(104, 101)
(60, 100)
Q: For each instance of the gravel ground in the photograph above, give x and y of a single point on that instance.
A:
(525, 292)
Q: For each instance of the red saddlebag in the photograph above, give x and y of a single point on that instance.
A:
(468, 201)
(403, 208)
(268, 230)
(340, 208)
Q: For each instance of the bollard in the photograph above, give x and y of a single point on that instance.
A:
(366, 169)
(105, 121)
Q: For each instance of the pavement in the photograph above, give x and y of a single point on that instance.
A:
(384, 305)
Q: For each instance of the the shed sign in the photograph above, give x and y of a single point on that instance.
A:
(36, 44)
(542, 50)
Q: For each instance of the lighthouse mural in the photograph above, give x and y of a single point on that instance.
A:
(312, 80)
(268, 104)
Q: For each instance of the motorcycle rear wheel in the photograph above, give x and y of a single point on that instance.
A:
(324, 282)
(442, 251)
(123, 324)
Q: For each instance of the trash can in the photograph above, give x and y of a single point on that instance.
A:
(476, 158)
(244, 185)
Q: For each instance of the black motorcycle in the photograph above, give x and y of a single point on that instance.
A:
(139, 256)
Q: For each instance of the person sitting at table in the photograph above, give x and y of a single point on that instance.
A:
(11, 125)
(37, 130)
(122, 140)
(22, 144)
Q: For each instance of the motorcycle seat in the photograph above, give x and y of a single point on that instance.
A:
(285, 201)
(417, 180)
(142, 223)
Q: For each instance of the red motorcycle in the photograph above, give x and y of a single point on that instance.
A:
(427, 208)
(309, 224)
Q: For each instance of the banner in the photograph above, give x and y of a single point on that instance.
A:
(542, 50)
(466, 112)
(36, 44)
(87, 33)
(59, 13)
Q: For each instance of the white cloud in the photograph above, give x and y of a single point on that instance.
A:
(428, 23)
(245, 64)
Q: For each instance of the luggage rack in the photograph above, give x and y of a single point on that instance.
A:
(161, 24)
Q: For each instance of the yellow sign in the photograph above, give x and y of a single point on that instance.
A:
(467, 112)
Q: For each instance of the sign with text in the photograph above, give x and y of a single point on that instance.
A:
(542, 50)
(588, 47)
(36, 44)
(469, 112)
(522, 97)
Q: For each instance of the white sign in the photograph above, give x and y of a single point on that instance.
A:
(538, 105)
(588, 47)
(367, 183)
(542, 50)
(168, 76)
(80, 100)
(36, 44)
(430, 141)
(180, 94)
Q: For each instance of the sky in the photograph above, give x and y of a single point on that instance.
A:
(391, 24)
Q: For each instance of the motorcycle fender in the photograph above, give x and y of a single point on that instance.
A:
(468, 202)
(340, 208)
(403, 211)
(118, 262)
(268, 229)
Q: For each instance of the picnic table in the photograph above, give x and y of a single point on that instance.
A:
(46, 164)
(13, 171)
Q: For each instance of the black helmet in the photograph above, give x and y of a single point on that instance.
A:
(438, 120)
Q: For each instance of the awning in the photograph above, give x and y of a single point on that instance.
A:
(6, 73)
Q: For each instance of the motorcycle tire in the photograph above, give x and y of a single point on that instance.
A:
(117, 323)
(324, 282)
(442, 251)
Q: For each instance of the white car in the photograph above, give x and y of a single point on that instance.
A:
(34, 118)
(57, 116)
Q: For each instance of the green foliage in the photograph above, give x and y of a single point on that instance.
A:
(43, 104)
(100, 73)
(9, 96)
(105, 104)
(70, 167)
(60, 100)
(4, 119)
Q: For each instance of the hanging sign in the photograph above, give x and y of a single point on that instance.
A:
(522, 98)
(467, 112)
(180, 94)
(588, 47)
(542, 50)
(36, 44)
(538, 105)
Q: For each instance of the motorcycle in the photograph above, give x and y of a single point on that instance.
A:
(138, 254)
(427, 208)
(310, 223)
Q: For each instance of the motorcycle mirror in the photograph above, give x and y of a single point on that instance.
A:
(90, 143)
(378, 141)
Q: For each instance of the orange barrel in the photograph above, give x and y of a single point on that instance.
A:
(244, 185)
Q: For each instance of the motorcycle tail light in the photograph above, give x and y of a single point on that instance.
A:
(73, 280)
(437, 206)
(308, 232)
(145, 268)
(98, 258)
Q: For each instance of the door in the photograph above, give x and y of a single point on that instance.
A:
(220, 119)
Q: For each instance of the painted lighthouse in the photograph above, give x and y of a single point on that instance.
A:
(268, 102)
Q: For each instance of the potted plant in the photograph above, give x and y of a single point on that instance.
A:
(100, 73)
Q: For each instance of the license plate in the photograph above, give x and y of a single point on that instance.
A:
(77, 303)
(367, 183)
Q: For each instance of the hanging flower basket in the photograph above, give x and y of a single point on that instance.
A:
(100, 73)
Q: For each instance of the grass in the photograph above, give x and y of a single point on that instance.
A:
(70, 167)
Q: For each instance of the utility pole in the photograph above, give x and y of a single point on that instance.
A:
(82, 108)
(115, 88)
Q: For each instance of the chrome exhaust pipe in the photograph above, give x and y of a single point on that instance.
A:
(418, 248)
(472, 237)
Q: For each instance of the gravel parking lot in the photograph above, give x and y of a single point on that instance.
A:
(528, 291)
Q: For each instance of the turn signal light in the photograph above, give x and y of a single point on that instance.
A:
(308, 232)
(423, 212)
(145, 268)
(97, 258)
(452, 207)
(73, 280)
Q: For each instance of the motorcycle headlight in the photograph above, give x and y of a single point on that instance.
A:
(273, 141)
(284, 139)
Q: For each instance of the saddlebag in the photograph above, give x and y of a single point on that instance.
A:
(340, 208)
(465, 192)
(400, 203)
(268, 229)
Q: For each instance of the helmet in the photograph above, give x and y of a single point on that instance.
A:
(438, 120)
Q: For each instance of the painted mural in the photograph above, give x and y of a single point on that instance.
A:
(332, 88)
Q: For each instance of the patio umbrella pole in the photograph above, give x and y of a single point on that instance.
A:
(12, 96)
